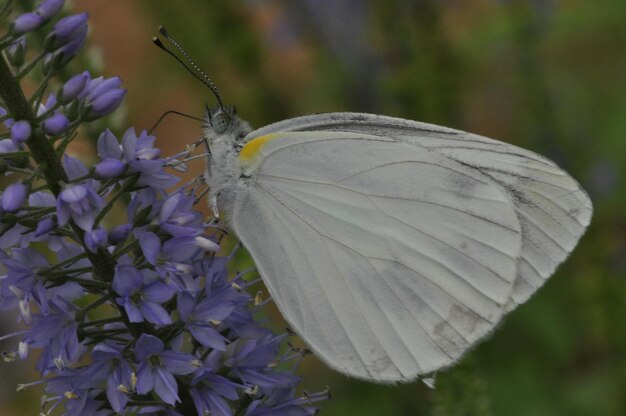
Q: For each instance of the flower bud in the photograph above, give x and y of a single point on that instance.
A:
(49, 8)
(60, 57)
(66, 30)
(14, 196)
(95, 239)
(52, 61)
(7, 146)
(7, 122)
(104, 104)
(119, 233)
(16, 52)
(110, 168)
(101, 85)
(45, 226)
(73, 87)
(26, 22)
(55, 125)
(20, 132)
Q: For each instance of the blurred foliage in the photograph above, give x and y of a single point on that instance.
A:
(545, 75)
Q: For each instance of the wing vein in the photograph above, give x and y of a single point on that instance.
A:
(321, 287)
(423, 201)
(417, 162)
(414, 227)
(354, 299)
(296, 213)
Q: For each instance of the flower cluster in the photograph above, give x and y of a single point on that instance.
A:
(134, 316)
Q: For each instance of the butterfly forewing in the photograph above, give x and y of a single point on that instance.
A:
(389, 259)
(552, 208)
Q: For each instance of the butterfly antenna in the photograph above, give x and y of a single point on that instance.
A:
(189, 65)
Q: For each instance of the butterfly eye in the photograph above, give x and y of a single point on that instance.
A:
(220, 121)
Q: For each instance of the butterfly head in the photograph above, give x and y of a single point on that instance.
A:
(220, 120)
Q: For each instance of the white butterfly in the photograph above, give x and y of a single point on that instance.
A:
(391, 246)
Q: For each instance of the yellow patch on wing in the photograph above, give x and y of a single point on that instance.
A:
(252, 148)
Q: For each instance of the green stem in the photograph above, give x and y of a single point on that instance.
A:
(101, 322)
(76, 271)
(66, 262)
(9, 155)
(85, 283)
(42, 151)
(95, 304)
(29, 67)
(35, 99)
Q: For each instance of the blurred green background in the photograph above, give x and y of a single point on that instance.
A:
(549, 76)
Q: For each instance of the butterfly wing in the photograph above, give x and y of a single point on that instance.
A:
(552, 208)
(388, 259)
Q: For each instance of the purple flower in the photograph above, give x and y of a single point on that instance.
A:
(110, 366)
(73, 87)
(143, 206)
(108, 146)
(80, 203)
(150, 246)
(142, 156)
(20, 132)
(202, 316)
(157, 367)
(74, 168)
(49, 8)
(251, 360)
(178, 217)
(282, 402)
(96, 239)
(209, 394)
(14, 196)
(56, 333)
(141, 300)
(22, 267)
(180, 249)
(56, 124)
(86, 403)
(26, 22)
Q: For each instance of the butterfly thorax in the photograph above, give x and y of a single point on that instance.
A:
(225, 133)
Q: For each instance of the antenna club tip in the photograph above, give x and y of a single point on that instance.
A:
(163, 31)
(158, 42)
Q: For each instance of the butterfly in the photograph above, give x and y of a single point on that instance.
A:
(390, 246)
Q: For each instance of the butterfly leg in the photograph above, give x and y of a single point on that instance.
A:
(213, 205)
